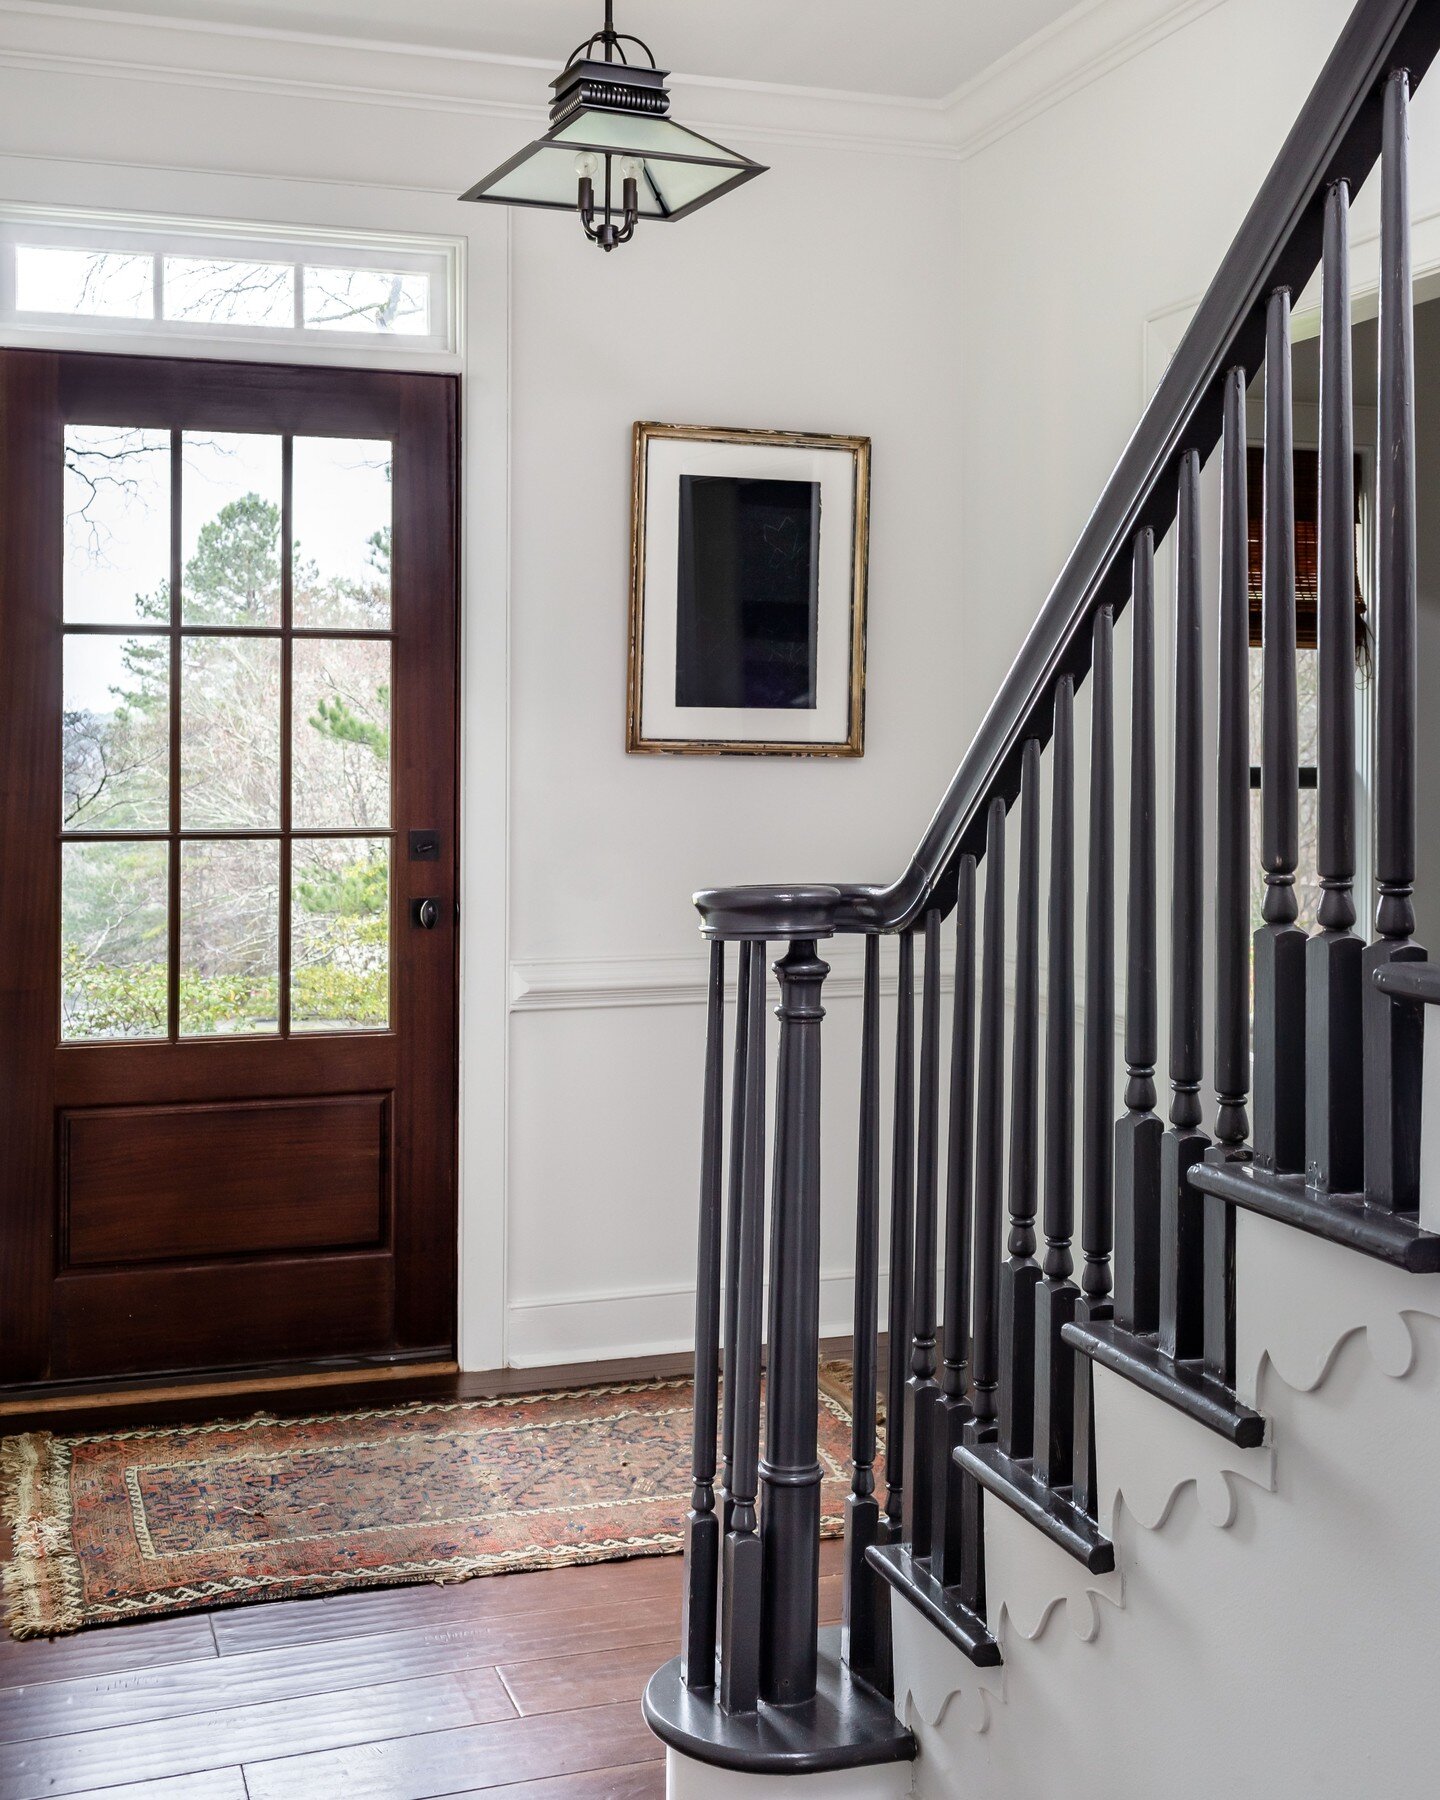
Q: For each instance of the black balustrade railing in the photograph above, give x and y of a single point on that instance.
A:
(1033, 1243)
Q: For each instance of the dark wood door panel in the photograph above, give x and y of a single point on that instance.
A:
(221, 1315)
(178, 1183)
(170, 1201)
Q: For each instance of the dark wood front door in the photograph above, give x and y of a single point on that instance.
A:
(227, 782)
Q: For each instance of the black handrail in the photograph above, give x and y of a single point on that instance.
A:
(1336, 136)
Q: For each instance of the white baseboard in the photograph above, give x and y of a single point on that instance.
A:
(654, 1321)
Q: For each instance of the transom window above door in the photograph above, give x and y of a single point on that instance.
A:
(313, 296)
(226, 817)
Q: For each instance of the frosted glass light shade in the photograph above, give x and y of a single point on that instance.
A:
(679, 169)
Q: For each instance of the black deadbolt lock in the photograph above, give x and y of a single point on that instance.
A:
(426, 913)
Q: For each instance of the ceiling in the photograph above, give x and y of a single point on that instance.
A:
(913, 49)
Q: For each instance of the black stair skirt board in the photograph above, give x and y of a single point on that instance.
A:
(1394, 1238)
(1049, 1509)
(966, 1630)
(1187, 1386)
(848, 1725)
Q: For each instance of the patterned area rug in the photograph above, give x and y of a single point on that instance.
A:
(130, 1524)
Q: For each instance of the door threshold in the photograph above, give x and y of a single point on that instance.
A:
(72, 1397)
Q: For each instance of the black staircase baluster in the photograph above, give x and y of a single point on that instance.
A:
(1056, 1294)
(1393, 1033)
(740, 1587)
(1232, 880)
(1182, 1213)
(790, 1473)
(902, 1219)
(1334, 1076)
(1137, 1136)
(1279, 943)
(1019, 1273)
(989, 1207)
(1098, 1103)
(732, 1226)
(863, 1602)
(953, 1410)
(702, 1526)
(922, 1390)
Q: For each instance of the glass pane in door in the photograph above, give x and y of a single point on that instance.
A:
(115, 722)
(229, 937)
(230, 529)
(230, 733)
(341, 726)
(117, 525)
(113, 917)
(341, 507)
(340, 934)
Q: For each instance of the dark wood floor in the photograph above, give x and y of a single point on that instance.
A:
(525, 1686)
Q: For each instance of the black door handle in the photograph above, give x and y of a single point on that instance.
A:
(425, 914)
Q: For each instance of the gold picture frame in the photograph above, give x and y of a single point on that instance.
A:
(850, 740)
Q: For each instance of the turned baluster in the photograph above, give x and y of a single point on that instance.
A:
(790, 1473)
(1020, 1272)
(1334, 1076)
(1138, 1134)
(922, 1390)
(953, 1409)
(866, 1615)
(902, 1221)
(1056, 1294)
(989, 1207)
(1279, 943)
(1393, 1032)
(741, 1554)
(1098, 1101)
(1182, 1212)
(1232, 880)
(702, 1526)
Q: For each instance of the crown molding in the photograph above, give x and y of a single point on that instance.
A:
(42, 37)
(1081, 47)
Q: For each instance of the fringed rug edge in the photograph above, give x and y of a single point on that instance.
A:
(42, 1584)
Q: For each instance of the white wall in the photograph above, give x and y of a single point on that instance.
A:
(822, 297)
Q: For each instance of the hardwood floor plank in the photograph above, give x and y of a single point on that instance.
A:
(217, 1740)
(214, 1784)
(563, 1683)
(107, 1650)
(640, 1781)
(281, 1622)
(65, 1707)
(471, 1760)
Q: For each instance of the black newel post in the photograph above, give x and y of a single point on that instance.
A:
(1182, 1211)
(1137, 1136)
(865, 1606)
(1020, 1272)
(953, 1412)
(1279, 943)
(790, 1472)
(1056, 1294)
(922, 1390)
(702, 1524)
(1394, 1034)
(734, 1209)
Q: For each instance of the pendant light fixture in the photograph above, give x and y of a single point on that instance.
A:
(611, 154)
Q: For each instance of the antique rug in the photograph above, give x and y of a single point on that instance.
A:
(131, 1524)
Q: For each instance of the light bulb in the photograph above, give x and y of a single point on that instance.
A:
(586, 163)
(630, 168)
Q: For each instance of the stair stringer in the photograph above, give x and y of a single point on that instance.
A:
(1300, 1301)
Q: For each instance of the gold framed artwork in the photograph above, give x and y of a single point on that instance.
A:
(748, 567)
